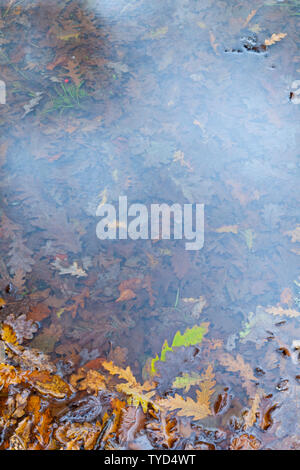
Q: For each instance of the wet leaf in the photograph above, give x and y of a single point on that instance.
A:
(48, 384)
(274, 38)
(280, 311)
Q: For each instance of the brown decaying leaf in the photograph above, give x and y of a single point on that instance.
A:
(180, 263)
(78, 302)
(239, 193)
(74, 436)
(139, 394)
(18, 279)
(162, 430)
(294, 234)
(126, 294)
(8, 334)
(245, 442)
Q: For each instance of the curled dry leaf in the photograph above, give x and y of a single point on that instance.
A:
(8, 335)
(132, 420)
(73, 269)
(198, 409)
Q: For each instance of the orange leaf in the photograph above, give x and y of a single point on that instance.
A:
(274, 38)
(94, 363)
(8, 335)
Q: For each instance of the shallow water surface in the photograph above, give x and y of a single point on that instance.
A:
(164, 102)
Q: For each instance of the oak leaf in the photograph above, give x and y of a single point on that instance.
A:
(245, 442)
(294, 234)
(126, 294)
(227, 229)
(289, 312)
(195, 409)
(274, 38)
(286, 296)
(138, 394)
(76, 435)
(250, 415)
(198, 409)
(8, 334)
(239, 365)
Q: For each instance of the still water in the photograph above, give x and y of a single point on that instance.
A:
(173, 102)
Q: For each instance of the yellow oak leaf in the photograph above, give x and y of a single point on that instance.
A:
(195, 409)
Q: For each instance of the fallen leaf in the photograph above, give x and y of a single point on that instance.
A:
(227, 229)
(286, 296)
(282, 311)
(294, 234)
